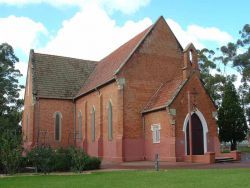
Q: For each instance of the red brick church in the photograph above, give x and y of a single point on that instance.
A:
(129, 106)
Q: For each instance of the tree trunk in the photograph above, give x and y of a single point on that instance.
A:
(233, 145)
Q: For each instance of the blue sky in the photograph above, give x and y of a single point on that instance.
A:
(90, 29)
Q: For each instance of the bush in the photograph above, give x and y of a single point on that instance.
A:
(77, 159)
(46, 160)
(80, 161)
(62, 160)
(42, 158)
(92, 163)
(10, 151)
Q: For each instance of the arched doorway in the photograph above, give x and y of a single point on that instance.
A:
(201, 121)
(197, 136)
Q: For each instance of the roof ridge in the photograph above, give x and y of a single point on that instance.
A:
(65, 57)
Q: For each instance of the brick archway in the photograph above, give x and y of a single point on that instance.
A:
(204, 129)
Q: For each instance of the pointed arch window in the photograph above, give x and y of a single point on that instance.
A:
(191, 56)
(110, 121)
(27, 126)
(58, 125)
(80, 124)
(93, 124)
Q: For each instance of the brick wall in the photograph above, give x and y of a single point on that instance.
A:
(166, 147)
(45, 122)
(205, 106)
(28, 114)
(103, 147)
(158, 60)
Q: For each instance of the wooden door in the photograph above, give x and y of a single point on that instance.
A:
(197, 136)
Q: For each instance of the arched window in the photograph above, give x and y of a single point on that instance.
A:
(27, 126)
(28, 86)
(93, 124)
(58, 125)
(80, 124)
(191, 56)
(110, 121)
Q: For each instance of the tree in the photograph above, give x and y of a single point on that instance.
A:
(238, 55)
(214, 83)
(10, 104)
(10, 110)
(231, 120)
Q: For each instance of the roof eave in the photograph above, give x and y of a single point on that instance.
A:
(94, 89)
(159, 108)
(57, 98)
(177, 92)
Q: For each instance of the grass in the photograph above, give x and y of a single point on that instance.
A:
(244, 149)
(139, 179)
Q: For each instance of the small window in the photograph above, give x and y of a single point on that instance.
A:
(58, 123)
(80, 125)
(110, 121)
(93, 124)
(156, 133)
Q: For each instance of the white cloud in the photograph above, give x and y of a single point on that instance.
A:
(125, 6)
(92, 34)
(21, 94)
(198, 34)
(20, 32)
(22, 67)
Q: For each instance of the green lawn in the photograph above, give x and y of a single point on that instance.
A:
(244, 149)
(139, 179)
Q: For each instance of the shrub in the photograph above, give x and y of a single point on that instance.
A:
(42, 158)
(92, 163)
(23, 162)
(80, 161)
(77, 159)
(45, 159)
(10, 151)
(62, 160)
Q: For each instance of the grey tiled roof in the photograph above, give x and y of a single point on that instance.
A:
(59, 77)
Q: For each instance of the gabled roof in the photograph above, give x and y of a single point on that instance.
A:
(168, 92)
(59, 77)
(165, 94)
(108, 67)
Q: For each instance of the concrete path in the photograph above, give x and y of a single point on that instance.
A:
(244, 163)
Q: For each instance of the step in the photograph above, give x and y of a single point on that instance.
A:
(224, 159)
